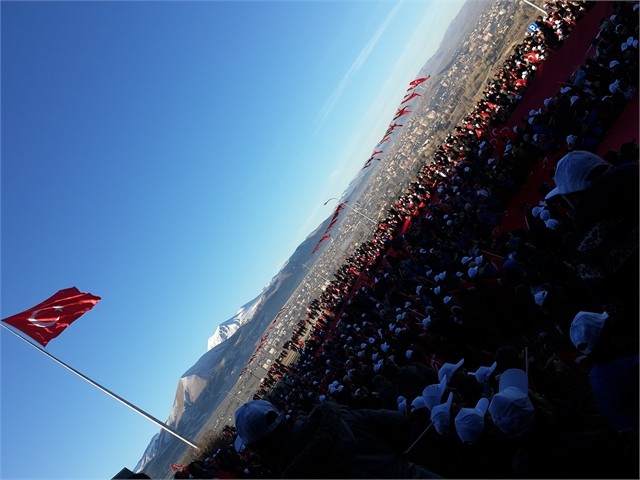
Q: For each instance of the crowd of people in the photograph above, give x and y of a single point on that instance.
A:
(449, 347)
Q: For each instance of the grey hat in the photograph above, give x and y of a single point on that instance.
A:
(511, 409)
(253, 421)
(586, 329)
(576, 171)
(470, 422)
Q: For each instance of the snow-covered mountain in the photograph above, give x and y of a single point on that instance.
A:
(203, 387)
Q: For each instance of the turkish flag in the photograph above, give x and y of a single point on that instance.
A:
(48, 319)
(418, 81)
(409, 97)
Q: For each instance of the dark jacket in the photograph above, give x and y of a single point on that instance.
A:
(605, 243)
(334, 442)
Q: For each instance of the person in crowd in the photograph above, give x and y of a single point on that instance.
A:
(331, 442)
(602, 200)
(603, 204)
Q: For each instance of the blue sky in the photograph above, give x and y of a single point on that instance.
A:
(169, 157)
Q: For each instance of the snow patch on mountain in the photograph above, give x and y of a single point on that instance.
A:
(225, 330)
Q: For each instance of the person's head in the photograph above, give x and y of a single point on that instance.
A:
(257, 422)
(576, 172)
(586, 329)
(469, 422)
(511, 409)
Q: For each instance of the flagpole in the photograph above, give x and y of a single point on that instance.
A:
(418, 439)
(105, 390)
(535, 6)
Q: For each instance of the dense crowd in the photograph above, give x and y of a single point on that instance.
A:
(507, 353)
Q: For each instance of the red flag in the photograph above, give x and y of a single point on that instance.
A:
(413, 84)
(418, 81)
(319, 242)
(409, 97)
(48, 319)
(384, 140)
(401, 112)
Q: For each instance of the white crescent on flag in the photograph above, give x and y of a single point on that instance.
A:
(38, 323)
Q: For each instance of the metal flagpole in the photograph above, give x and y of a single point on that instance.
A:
(418, 439)
(535, 6)
(108, 392)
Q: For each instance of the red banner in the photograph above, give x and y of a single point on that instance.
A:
(48, 319)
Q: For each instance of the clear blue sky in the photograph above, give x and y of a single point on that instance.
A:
(169, 157)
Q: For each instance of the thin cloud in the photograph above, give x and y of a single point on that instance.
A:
(423, 43)
(355, 66)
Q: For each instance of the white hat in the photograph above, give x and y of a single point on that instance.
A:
(441, 415)
(255, 420)
(571, 139)
(448, 369)
(418, 403)
(545, 215)
(615, 86)
(483, 374)
(586, 329)
(433, 393)
(470, 422)
(539, 297)
(552, 223)
(573, 172)
(239, 446)
(511, 409)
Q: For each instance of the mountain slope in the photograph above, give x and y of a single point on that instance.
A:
(203, 387)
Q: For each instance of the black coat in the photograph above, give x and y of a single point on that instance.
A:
(334, 442)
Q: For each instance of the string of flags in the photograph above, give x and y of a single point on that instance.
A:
(402, 111)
